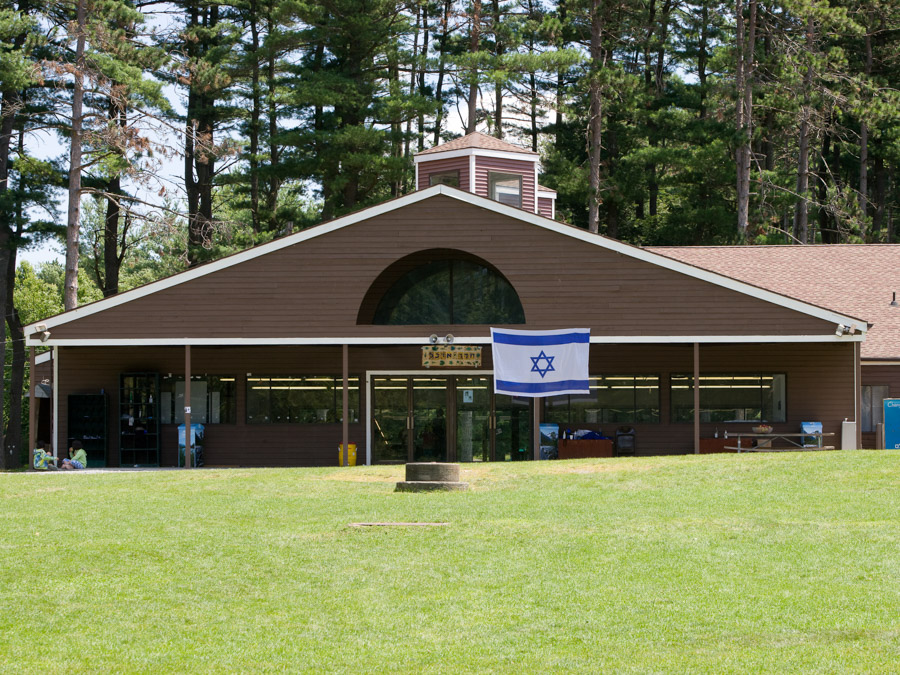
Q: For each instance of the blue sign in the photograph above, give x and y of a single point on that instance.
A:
(892, 423)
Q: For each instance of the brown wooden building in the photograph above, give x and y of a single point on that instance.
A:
(270, 339)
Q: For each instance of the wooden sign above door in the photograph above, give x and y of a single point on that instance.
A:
(451, 356)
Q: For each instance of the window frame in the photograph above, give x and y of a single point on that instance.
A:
(759, 375)
(866, 392)
(602, 380)
(495, 177)
(172, 415)
(443, 174)
(295, 411)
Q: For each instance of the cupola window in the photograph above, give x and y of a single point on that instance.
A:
(506, 188)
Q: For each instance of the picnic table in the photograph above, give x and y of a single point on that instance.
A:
(780, 442)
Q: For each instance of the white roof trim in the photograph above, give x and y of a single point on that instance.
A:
(42, 358)
(542, 194)
(465, 152)
(469, 198)
(484, 340)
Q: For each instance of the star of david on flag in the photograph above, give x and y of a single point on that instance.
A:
(537, 363)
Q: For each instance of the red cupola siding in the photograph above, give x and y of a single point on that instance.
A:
(488, 167)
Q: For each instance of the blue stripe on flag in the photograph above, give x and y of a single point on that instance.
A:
(541, 387)
(540, 340)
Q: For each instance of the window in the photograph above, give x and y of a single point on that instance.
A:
(873, 405)
(314, 399)
(450, 292)
(450, 178)
(505, 188)
(730, 398)
(612, 399)
(212, 399)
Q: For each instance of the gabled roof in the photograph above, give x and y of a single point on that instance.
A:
(478, 141)
(857, 279)
(533, 219)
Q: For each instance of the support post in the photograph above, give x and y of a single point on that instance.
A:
(32, 404)
(696, 398)
(345, 402)
(536, 433)
(187, 406)
(54, 408)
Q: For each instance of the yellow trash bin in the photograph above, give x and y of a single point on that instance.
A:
(351, 455)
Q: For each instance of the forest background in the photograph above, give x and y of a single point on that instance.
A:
(188, 130)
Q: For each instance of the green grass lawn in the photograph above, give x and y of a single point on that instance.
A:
(728, 563)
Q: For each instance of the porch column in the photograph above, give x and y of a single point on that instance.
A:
(187, 406)
(696, 398)
(536, 433)
(54, 406)
(345, 432)
(32, 405)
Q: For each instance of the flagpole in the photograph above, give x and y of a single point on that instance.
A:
(536, 434)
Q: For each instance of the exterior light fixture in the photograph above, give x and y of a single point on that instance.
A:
(894, 302)
(841, 328)
(449, 339)
(433, 338)
(45, 335)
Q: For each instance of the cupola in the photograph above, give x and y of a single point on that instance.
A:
(488, 167)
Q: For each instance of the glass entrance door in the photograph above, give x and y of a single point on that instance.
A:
(429, 419)
(450, 418)
(473, 419)
(390, 420)
(512, 428)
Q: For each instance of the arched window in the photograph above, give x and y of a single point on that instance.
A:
(449, 291)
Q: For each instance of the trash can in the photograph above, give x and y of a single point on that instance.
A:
(196, 445)
(624, 441)
(351, 455)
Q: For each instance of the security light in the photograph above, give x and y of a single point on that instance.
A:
(840, 329)
(449, 339)
(433, 339)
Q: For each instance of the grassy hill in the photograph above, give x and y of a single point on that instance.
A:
(729, 563)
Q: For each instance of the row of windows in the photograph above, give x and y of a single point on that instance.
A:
(635, 399)
(616, 399)
(314, 399)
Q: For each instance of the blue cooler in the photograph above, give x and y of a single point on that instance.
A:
(196, 445)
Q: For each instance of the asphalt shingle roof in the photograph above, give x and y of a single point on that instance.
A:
(853, 279)
(477, 140)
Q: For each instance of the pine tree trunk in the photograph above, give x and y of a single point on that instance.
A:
(474, 38)
(880, 193)
(253, 130)
(13, 440)
(595, 124)
(73, 217)
(274, 183)
(442, 66)
(801, 212)
(744, 111)
(864, 152)
(498, 87)
(7, 122)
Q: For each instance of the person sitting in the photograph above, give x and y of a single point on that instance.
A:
(43, 460)
(77, 457)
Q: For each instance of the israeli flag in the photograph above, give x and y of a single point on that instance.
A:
(538, 363)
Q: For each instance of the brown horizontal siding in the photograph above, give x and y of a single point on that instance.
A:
(315, 289)
(460, 164)
(485, 165)
(545, 207)
(819, 387)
